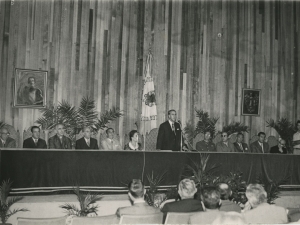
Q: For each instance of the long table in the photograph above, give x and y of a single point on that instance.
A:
(109, 171)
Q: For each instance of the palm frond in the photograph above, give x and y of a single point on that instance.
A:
(4, 191)
(106, 117)
(16, 211)
(2, 124)
(87, 114)
(205, 123)
(155, 181)
(13, 200)
(235, 127)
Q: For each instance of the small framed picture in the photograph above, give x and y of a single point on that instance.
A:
(251, 102)
(30, 88)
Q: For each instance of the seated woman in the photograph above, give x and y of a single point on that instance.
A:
(280, 148)
(133, 144)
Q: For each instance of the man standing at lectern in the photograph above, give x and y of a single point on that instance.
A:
(169, 134)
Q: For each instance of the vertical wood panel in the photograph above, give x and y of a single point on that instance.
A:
(99, 48)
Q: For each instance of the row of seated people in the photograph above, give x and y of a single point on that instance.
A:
(214, 207)
(61, 141)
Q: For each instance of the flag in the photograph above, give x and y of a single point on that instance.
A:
(149, 113)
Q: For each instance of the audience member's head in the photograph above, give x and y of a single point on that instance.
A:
(87, 132)
(110, 133)
(224, 136)
(229, 218)
(298, 125)
(261, 137)
(187, 189)
(60, 129)
(136, 189)
(211, 198)
(240, 138)
(134, 135)
(207, 135)
(225, 191)
(4, 133)
(172, 115)
(35, 130)
(256, 194)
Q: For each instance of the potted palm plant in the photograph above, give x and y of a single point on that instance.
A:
(86, 204)
(6, 202)
(74, 119)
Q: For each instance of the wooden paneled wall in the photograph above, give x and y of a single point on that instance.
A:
(204, 53)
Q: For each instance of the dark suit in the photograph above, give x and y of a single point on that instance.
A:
(166, 138)
(243, 148)
(29, 143)
(9, 143)
(256, 148)
(275, 149)
(55, 142)
(81, 144)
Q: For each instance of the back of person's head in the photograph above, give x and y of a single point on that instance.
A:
(256, 194)
(225, 191)
(230, 218)
(187, 189)
(211, 198)
(136, 188)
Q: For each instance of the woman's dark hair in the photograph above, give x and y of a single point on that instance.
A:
(131, 133)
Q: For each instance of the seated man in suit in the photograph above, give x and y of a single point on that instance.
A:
(258, 211)
(227, 204)
(110, 143)
(60, 141)
(296, 139)
(211, 199)
(35, 141)
(239, 145)
(136, 192)
(86, 142)
(5, 140)
(186, 190)
(206, 144)
(225, 145)
(260, 146)
(280, 148)
(169, 134)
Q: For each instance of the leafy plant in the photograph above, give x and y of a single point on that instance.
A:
(2, 124)
(201, 172)
(152, 196)
(86, 202)
(75, 119)
(205, 123)
(235, 127)
(6, 202)
(271, 187)
(285, 129)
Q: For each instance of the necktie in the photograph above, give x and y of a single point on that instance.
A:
(35, 142)
(173, 128)
(88, 143)
(241, 146)
(262, 147)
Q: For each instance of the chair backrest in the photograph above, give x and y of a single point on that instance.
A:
(156, 218)
(151, 139)
(112, 219)
(217, 138)
(232, 137)
(199, 137)
(272, 141)
(178, 218)
(42, 221)
(253, 139)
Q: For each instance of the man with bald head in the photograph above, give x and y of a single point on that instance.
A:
(227, 205)
(5, 140)
(60, 141)
(87, 142)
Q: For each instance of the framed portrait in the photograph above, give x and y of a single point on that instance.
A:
(30, 88)
(251, 102)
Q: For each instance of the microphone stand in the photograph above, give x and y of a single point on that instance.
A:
(183, 138)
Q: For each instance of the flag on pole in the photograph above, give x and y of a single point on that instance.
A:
(149, 113)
